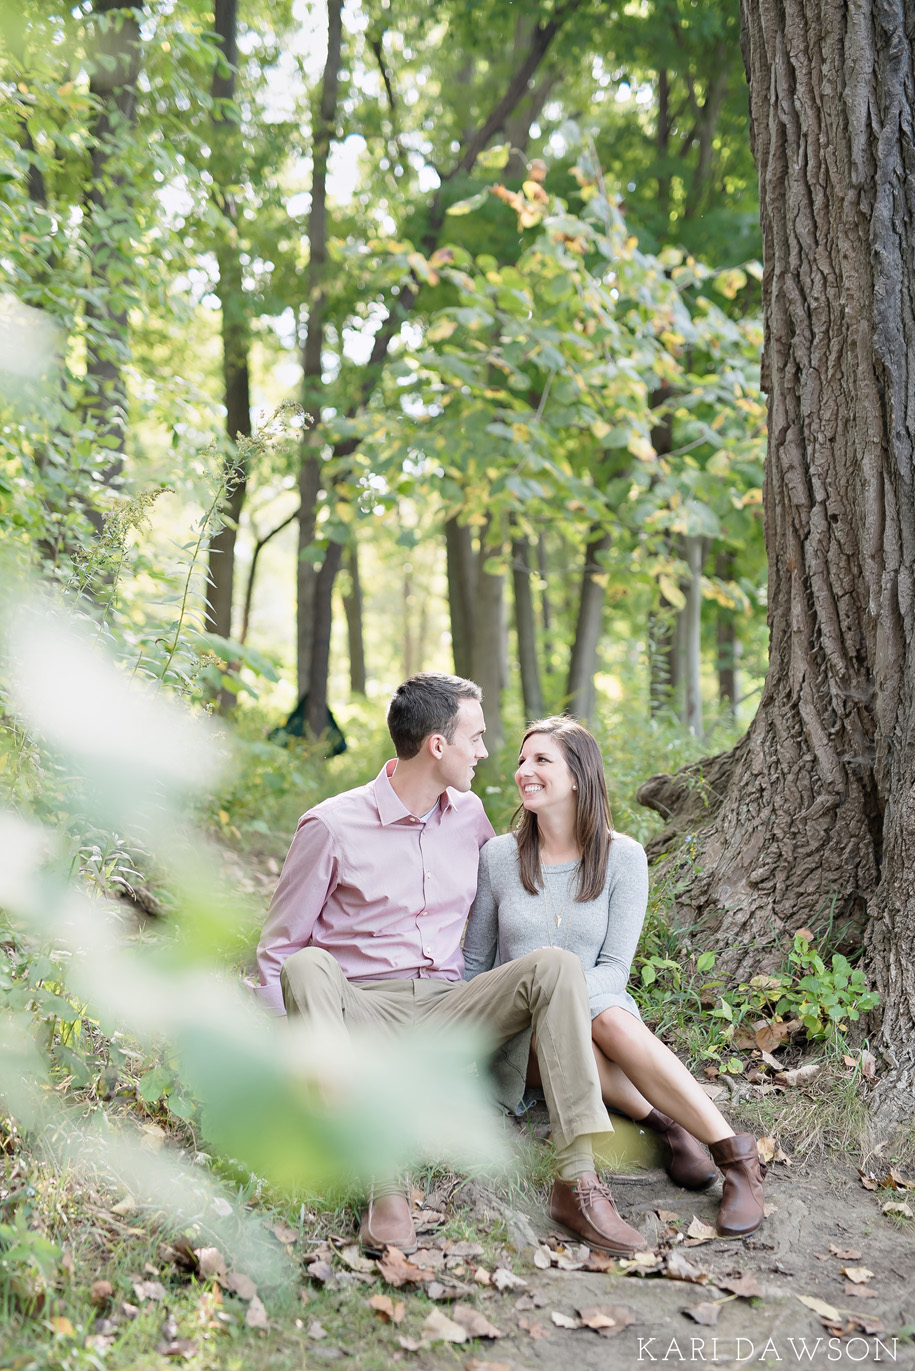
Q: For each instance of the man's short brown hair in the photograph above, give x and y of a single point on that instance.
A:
(424, 704)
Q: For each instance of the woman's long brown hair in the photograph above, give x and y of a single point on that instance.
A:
(593, 822)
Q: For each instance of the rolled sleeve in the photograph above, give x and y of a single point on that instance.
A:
(309, 874)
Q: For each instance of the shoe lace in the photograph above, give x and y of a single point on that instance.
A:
(588, 1191)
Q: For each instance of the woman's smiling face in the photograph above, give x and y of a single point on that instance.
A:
(543, 777)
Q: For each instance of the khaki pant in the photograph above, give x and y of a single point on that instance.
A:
(545, 989)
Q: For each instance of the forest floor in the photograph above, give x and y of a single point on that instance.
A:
(828, 1279)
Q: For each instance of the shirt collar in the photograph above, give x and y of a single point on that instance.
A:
(391, 808)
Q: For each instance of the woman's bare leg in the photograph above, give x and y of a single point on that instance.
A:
(654, 1075)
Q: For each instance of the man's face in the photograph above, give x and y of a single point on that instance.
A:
(459, 759)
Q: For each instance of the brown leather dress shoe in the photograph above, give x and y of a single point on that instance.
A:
(741, 1210)
(387, 1222)
(586, 1207)
(688, 1162)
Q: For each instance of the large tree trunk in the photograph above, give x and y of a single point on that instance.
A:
(236, 333)
(817, 803)
(583, 662)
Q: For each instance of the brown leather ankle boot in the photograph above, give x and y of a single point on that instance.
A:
(741, 1210)
(687, 1162)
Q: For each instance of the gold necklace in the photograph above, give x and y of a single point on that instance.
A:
(557, 918)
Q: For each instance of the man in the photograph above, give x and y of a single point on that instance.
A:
(365, 929)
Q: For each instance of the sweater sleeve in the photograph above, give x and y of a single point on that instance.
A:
(627, 902)
(482, 937)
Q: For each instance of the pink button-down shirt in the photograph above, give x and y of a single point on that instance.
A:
(386, 893)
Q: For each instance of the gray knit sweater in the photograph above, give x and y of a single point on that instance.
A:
(507, 922)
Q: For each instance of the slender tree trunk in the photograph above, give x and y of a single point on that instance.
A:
(314, 607)
(236, 333)
(816, 806)
(526, 630)
(727, 642)
(113, 85)
(546, 608)
(583, 664)
(692, 625)
(352, 606)
(488, 640)
(462, 592)
(663, 657)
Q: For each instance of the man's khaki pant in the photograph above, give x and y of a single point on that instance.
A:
(545, 989)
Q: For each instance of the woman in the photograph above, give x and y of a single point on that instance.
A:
(563, 878)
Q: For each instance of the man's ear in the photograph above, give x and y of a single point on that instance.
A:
(436, 745)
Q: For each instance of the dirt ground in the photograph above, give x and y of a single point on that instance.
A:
(825, 1240)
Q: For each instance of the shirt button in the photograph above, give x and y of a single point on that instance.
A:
(427, 951)
(428, 875)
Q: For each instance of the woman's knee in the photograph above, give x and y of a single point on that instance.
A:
(614, 1028)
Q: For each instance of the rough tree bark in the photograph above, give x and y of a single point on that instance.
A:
(113, 86)
(488, 638)
(727, 642)
(236, 331)
(817, 803)
(583, 661)
(352, 607)
(526, 630)
(313, 607)
(461, 565)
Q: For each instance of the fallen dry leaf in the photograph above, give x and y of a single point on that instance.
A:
(822, 1256)
(211, 1264)
(409, 1344)
(869, 1325)
(704, 1313)
(606, 1319)
(316, 1330)
(858, 1274)
(600, 1261)
(437, 1290)
(352, 1257)
(503, 1280)
(284, 1233)
(536, 1330)
(564, 1320)
(845, 1254)
(532, 1301)
(149, 1290)
(474, 1364)
(241, 1285)
(770, 1034)
(62, 1327)
(700, 1230)
(826, 1311)
(899, 1181)
(861, 1292)
(801, 1075)
(867, 1180)
(710, 1072)
(805, 934)
(897, 1207)
(714, 1092)
(476, 1324)
(747, 1286)
(256, 1314)
(638, 1263)
(543, 1258)
(437, 1327)
(320, 1271)
(103, 1291)
(668, 1215)
(481, 1276)
(386, 1309)
(398, 1270)
(679, 1269)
